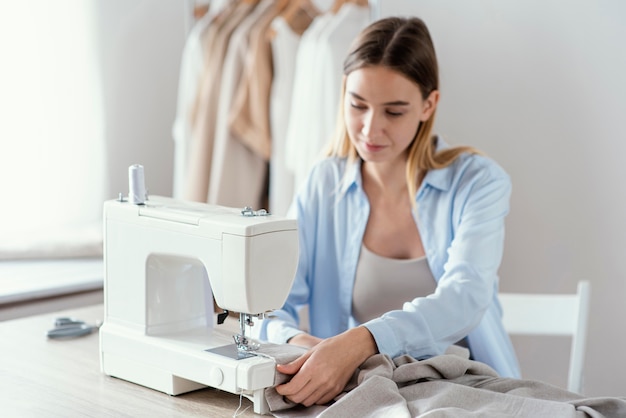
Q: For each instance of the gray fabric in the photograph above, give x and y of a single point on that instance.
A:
(282, 354)
(442, 386)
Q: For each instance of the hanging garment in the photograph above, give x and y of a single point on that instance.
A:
(190, 73)
(284, 50)
(317, 88)
(191, 67)
(206, 106)
(304, 116)
(238, 175)
(333, 46)
(248, 119)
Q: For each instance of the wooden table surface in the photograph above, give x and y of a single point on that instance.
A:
(41, 377)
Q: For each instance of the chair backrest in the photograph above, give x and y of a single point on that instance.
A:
(552, 314)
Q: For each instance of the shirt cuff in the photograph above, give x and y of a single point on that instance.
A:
(384, 336)
(280, 332)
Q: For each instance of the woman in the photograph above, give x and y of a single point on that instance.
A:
(401, 236)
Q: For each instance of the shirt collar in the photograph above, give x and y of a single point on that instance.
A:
(440, 178)
(352, 177)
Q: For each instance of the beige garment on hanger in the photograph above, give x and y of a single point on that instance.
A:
(249, 118)
(238, 175)
(338, 4)
(299, 15)
(206, 108)
(208, 41)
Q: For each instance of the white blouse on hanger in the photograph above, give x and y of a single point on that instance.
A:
(334, 45)
(304, 115)
(191, 67)
(317, 85)
(284, 50)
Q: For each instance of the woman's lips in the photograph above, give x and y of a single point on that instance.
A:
(372, 147)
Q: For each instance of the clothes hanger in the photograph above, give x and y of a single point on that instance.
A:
(338, 4)
(282, 4)
(200, 10)
(292, 14)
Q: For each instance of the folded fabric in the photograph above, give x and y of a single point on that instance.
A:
(282, 354)
(443, 386)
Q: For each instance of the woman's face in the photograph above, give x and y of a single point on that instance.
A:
(383, 110)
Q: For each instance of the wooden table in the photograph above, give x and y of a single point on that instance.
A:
(40, 377)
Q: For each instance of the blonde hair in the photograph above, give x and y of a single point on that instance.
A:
(403, 45)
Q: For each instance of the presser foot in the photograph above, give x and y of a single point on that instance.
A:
(244, 344)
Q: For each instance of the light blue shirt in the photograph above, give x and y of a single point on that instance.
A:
(460, 213)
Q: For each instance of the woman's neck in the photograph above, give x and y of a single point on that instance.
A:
(387, 179)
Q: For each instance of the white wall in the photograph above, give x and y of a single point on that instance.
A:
(538, 85)
(141, 43)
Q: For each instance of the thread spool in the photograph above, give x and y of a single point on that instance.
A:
(136, 185)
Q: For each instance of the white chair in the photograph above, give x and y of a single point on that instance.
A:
(552, 314)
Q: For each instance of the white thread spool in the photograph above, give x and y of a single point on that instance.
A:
(136, 185)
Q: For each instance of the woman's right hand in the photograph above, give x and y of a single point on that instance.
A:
(321, 373)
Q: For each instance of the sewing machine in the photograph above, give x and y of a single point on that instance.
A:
(165, 260)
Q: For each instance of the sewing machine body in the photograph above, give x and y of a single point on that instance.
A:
(163, 263)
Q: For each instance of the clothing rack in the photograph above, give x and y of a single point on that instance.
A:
(196, 8)
(201, 172)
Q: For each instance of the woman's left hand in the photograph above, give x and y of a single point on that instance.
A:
(322, 373)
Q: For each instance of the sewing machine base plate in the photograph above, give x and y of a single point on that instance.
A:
(230, 351)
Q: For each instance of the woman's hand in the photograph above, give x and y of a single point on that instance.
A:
(323, 372)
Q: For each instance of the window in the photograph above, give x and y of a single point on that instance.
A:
(52, 153)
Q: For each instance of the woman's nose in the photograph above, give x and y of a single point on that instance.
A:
(373, 124)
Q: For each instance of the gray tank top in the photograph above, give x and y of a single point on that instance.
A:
(383, 284)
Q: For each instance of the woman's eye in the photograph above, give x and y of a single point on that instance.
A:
(392, 113)
(357, 106)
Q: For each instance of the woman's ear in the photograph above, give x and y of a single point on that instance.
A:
(430, 104)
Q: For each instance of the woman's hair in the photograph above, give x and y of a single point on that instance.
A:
(405, 46)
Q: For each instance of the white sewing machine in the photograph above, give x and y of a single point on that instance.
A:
(164, 259)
